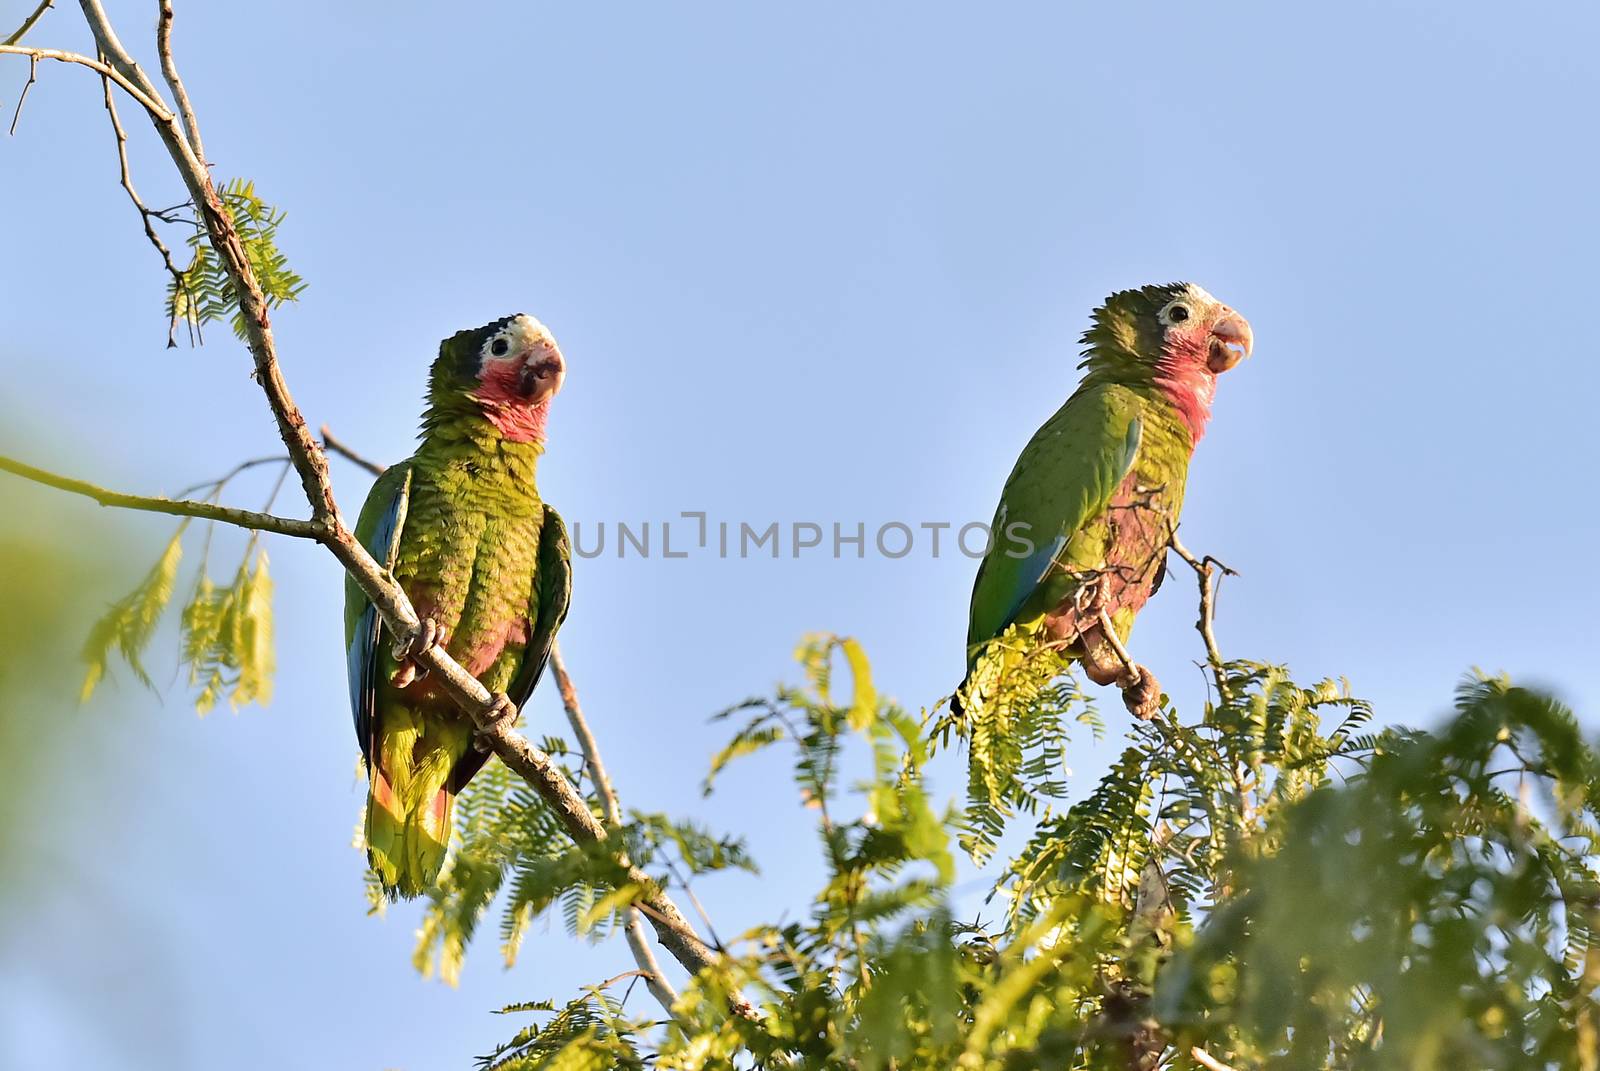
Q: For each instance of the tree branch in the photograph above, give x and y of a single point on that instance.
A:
(150, 104)
(1204, 570)
(176, 507)
(27, 23)
(643, 955)
(33, 76)
(144, 213)
(169, 71)
(391, 603)
(329, 442)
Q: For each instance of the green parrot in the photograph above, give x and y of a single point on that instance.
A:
(1080, 538)
(486, 564)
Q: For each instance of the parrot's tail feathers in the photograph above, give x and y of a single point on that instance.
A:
(386, 828)
(428, 838)
(406, 847)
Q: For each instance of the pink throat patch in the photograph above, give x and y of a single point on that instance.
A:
(518, 423)
(1188, 384)
(508, 410)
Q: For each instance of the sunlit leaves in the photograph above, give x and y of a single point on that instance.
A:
(1263, 881)
(205, 293)
(129, 624)
(225, 633)
(589, 1033)
(1021, 699)
(227, 638)
(1436, 912)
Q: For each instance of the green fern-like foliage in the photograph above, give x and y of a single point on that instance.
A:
(203, 293)
(511, 847)
(227, 637)
(1014, 730)
(130, 623)
(589, 1033)
(1440, 910)
(1269, 883)
(225, 632)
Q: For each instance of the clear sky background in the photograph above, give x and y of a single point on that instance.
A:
(810, 262)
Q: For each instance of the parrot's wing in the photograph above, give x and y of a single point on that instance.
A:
(552, 593)
(382, 520)
(1065, 477)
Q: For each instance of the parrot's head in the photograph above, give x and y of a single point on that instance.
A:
(1175, 337)
(505, 372)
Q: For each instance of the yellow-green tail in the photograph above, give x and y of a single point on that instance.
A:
(409, 803)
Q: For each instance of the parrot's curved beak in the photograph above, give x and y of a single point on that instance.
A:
(1231, 342)
(542, 373)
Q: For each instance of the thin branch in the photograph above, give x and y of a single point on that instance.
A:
(169, 71)
(614, 979)
(1204, 570)
(699, 908)
(643, 955)
(176, 507)
(243, 466)
(27, 24)
(157, 110)
(1129, 666)
(33, 76)
(146, 214)
(334, 445)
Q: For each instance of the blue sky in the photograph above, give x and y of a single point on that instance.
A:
(823, 262)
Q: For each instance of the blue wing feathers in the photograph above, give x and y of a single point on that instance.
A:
(361, 658)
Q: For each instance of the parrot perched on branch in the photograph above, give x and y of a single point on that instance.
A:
(1080, 538)
(486, 564)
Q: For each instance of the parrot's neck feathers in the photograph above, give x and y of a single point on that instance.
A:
(1114, 352)
(1190, 389)
(519, 423)
(467, 435)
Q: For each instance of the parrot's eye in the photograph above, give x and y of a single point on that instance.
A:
(1175, 313)
(500, 347)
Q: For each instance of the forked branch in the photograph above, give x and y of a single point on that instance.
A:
(1208, 572)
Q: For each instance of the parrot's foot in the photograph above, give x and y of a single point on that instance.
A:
(426, 636)
(501, 712)
(1141, 692)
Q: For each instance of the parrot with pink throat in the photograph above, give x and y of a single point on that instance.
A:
(1080, 537)
(487, 565)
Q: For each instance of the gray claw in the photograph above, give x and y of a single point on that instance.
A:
(426, 636)
(501, 711)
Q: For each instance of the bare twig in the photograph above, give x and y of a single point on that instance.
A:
(145, 215)
(243, 466)
(1206, 1060)
(643, 954)
(1115, 643)
(334, 445)
(169, 71)
(614, 979)
(146, 100)
(177, 507)
(33, 76)
(1205, 569)
(27, 23)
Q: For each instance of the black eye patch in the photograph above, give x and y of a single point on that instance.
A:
(500, 347)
